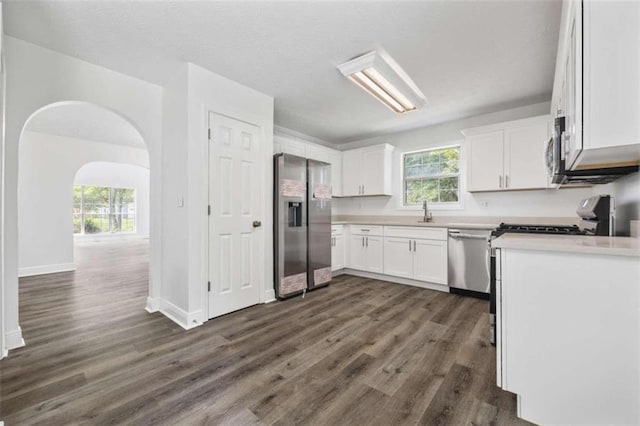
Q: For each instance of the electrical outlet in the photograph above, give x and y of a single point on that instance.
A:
(484, 204)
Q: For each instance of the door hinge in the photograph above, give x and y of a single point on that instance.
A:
(209, 134)
(208, 285)
(209, 210)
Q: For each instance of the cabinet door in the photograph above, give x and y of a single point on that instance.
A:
(336, 174)
(485, 161)
(398, 257)
(373, 171)
(337, 252)
(572, 141)
(319, 154)
(357, 253)
(430, 261)
(375, 254)
(292, 147)
(524, 157)
(351, 173)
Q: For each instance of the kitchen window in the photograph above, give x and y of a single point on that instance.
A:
(432, 175)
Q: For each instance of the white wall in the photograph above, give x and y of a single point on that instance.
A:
(209, 92)
(37, 77)
(540, 203)
(189, 98)
(115, 175)
(48, 166)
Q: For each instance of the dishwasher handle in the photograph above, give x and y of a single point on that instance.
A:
(459, 235)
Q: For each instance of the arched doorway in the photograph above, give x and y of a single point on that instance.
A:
(56, 143)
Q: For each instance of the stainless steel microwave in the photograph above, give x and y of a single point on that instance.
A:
(556, 170)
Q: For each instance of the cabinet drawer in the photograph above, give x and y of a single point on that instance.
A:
(416, 232)
(366, 230)
(337, 229)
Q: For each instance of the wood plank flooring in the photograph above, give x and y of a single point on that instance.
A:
(360, 352)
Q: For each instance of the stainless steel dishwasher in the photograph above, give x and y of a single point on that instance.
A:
(469, 262)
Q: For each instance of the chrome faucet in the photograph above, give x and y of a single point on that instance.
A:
(428, 217)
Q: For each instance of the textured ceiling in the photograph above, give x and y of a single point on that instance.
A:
(86, 121)
(468, 57)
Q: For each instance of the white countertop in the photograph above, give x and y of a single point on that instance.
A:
(459, 222)
(437, 224)
(611, 246)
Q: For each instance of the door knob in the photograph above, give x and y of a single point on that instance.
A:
(257, 224)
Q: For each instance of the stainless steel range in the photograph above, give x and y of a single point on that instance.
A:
(597, 216)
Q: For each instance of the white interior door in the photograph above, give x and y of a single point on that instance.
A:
(235, 183)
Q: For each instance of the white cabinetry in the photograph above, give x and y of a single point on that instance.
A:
(569, 362)
(366, 248)
(367, 171)
(596, 83)
(430, 261)
(338, 252)
(507, 156)
(419, 254)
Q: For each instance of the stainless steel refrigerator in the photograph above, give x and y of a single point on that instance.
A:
(302, 224)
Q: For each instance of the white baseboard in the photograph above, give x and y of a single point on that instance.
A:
(270, 296)
(398, 280)
(337, 272)
(46, 269)
(13, 339)
(184, 319)
(152, 305)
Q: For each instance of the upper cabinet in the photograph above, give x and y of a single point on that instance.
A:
(597, 81)
(507, 156)
(367, 171)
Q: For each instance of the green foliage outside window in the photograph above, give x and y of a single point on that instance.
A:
(99, 209)
(432, 176)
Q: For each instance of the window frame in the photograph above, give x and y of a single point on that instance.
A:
(83, 213)
(458, 205)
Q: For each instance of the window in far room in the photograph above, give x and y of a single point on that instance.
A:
(432, 175)
(98, 209)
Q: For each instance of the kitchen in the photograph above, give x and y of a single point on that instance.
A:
(459, 244)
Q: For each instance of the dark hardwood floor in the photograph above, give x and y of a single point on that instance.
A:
(361, 352)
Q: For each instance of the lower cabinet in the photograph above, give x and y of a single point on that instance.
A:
(337, 252)
(431, 261)
(418, 259)
(414, 253)
(366, 253)
(398, 257)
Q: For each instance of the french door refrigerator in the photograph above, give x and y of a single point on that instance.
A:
(302, 225)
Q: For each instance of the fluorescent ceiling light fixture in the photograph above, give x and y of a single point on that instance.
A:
(380, 76)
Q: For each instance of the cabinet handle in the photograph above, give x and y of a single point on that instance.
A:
(506, 181)
(367, 241)
(362, 189)
(409, 245)
(362, 241)
(414, 245)
(500, 181)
